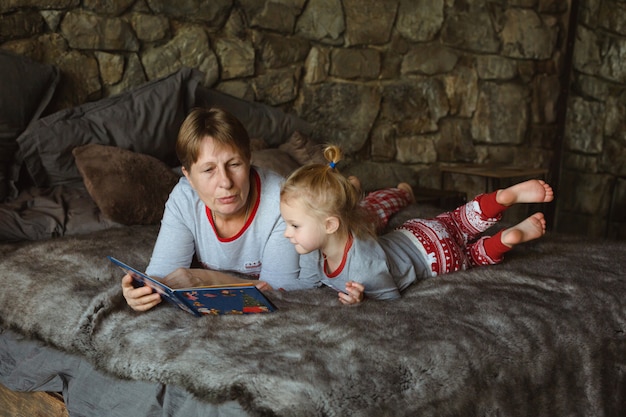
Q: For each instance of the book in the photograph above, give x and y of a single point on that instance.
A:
(334, 287)
(208, 300)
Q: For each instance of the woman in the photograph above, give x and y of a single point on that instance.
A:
(223, 211)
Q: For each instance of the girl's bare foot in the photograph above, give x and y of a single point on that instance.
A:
(531, 191)
(406, 187)
(531, 228)
(355, 182)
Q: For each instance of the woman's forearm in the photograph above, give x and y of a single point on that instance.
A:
(197, 277)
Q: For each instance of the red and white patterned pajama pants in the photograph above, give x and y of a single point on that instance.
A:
(451, 241)
(382, 204)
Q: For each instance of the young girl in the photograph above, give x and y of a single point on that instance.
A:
(326, 219)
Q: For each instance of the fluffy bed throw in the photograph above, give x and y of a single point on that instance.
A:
(542, 334)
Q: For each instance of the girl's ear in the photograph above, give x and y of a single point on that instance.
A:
(332, 224)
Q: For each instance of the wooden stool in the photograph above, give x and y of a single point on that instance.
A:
(494, 174)
(491, 173)
(444, 199)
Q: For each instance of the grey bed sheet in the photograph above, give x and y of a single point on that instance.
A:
(28, 365)
(44, 213)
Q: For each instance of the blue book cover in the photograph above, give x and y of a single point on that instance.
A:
(210, 300)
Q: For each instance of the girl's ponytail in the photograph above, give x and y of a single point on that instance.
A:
(333, 155)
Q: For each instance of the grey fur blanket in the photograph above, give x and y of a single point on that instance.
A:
(543, 334)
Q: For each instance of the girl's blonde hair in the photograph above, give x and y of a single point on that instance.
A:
(325, 192)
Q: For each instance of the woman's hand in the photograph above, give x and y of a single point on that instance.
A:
(141, 298)
(187, 278)
(262, 285)
(354, 294)
(193, 277)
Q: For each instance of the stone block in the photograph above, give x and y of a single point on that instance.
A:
(361, 63)
(189, 47)
(471, 30)
(527, 35)
(89, 31)
(501, 114)
(22, 24)
(420, 20)
(323, 21)
(369, 22)
(584, 125)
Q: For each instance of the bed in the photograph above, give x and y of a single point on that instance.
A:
(543, 334)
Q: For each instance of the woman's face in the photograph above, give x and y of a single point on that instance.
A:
(221, 177)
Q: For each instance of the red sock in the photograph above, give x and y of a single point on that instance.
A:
(489, 206)
(494, 248)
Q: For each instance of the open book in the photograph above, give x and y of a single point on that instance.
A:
(209, 300)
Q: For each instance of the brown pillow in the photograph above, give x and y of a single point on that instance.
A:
(275, 160)
(256, 144)
(128, 187)
(303, 150)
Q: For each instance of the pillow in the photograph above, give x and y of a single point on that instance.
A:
(303, 150)
(26, 88)
(145, 120)
(257, 144)
(128, 187)
(260, 120)
(275, 160)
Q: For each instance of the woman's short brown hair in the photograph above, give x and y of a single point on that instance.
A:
(213, 122)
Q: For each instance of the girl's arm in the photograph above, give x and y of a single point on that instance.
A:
(376, 281)
(281, 262)
(355, 293)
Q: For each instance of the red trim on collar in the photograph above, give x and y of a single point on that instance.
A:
(337, 271)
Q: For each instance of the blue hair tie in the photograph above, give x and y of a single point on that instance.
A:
(332, 165)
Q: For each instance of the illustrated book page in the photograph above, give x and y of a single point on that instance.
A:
(210, 300)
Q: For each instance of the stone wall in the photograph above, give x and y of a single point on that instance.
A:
(402, 85)
(593, 177)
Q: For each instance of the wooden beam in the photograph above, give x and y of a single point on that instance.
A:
(31, 404)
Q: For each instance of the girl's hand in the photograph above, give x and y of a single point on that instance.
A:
(355, 292)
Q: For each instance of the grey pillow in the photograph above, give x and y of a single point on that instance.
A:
(261, 121)
(26, 88)
(145, 120)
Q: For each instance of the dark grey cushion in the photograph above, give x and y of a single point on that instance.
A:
(145, 120)
(26, 88)
(261, 121)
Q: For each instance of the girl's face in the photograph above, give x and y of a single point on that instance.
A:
(306, 232)
(221, 177)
